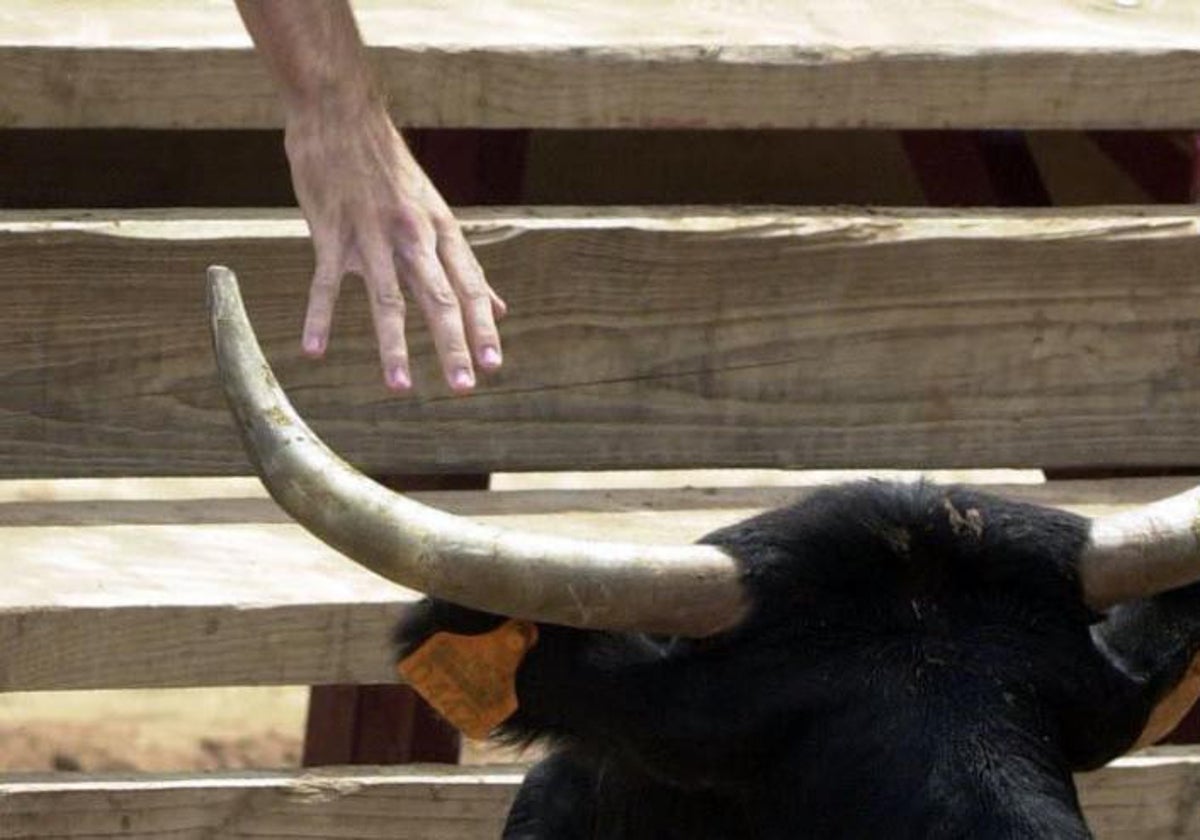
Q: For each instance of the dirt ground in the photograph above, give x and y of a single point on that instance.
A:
(166, 730)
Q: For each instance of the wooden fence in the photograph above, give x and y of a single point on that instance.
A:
(681, 336)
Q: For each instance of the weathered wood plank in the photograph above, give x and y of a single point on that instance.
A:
(258, 602)
(186, 605)
(1139, 798)
(628, 64)
(110, 606)
(362, 802)
(638, 338)
(242, 507)
(1144, 797)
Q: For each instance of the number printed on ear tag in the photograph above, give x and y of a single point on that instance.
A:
(471, 680)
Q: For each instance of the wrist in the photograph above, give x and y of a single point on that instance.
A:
(346, 125)
(336, 98)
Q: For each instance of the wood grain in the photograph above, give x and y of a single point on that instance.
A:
(187, 605)
(92, 601)
(638, 339)
(363, 802)
(1144, 796)
(1084, 496)
(1139, 798)
(508, 63)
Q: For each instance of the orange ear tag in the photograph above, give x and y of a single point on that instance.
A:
(471, 680)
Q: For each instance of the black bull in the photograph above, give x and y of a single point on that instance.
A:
(918, 663)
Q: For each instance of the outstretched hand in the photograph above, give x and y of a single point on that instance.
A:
(373, 212)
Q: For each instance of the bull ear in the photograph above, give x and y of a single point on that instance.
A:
(1153, 648)
(1170, 711)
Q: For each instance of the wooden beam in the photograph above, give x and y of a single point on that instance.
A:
(186, 605)
(975, 168)
(1138, 798)
(360, 802)
(375, 724)
(512, 64)
(260, 603)
(1144, 797)
(244, 501)
(1078, 174)
(637, 339)
(1163, 164)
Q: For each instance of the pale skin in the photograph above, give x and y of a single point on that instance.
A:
(370, 208)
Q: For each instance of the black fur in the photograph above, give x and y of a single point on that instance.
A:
(918, 663)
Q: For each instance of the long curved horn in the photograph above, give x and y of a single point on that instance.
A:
(1144, 551)
(692, 590)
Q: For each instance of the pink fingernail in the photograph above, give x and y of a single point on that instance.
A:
(462, 379)
(490, 357)
(314, 345)
(398, 379)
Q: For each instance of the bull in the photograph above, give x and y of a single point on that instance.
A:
(878, 660)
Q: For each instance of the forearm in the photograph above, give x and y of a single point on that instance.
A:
(313, 51)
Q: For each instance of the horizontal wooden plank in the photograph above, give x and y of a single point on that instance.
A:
(251, 600)
(637, 339)
(172, 605)
(1138, 798)
(1144, 797)
(513, 63)
(1081, 495)
(136, 605)
(437, 803)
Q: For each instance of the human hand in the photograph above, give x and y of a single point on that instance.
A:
(373, 212)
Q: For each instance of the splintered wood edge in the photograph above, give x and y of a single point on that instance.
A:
(486, 225)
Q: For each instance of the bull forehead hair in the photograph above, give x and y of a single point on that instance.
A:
(908, 543)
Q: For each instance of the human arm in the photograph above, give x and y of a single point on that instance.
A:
(369, 206)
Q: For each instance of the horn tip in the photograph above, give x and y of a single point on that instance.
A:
(223, 289)
(218, 276)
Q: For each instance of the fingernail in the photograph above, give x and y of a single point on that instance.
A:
(314, 345)
(398, 379)
(490, 357)
(462, 379)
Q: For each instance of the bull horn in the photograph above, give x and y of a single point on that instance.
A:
(1142, 552)
(690, 590)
